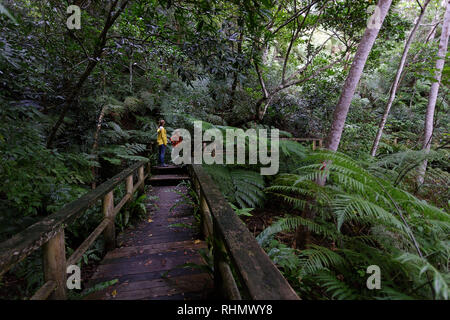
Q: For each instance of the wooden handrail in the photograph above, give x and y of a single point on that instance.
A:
(49, 232)
(235, 245)
(301, 139)
(313, 140)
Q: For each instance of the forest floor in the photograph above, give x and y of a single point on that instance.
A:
(264, 217)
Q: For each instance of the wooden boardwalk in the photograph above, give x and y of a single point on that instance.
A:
(149, 258)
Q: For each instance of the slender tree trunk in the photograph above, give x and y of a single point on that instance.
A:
(130, 67)
(359, 61)
(265, 55)
(429, 116)
(95, 145)
(396, 82)
(236, 73)
(434, 24)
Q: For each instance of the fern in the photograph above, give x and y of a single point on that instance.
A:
(440, 280)
(116, 133)
(318, 258)
(283, 256)
(243, 187)
(115, 153)
(292, 223)
(338, 289)
(372, 221)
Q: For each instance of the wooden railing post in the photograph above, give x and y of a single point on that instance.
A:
(223, 278)
(196, 186)
(110, 230)
(230, 288)
(55, 265)
(320, 143)
(233, 244)
(217, 258)
(129, 184)
(206, 220)
(48, 234)
(141, 178)
(314, 145)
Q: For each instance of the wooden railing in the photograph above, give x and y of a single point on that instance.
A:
(234, 246)
(314, 141)
(242, 268)
(49, 233)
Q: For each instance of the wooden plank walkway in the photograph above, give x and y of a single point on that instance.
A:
(153, 248)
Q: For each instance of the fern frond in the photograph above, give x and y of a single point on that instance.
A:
(318, 258)
(440, 281)
(244, 187)
(292, 223)
(337, 288)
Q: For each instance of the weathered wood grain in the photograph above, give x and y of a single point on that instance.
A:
(24, 243)
(174, 177)
(140, 184)
(54, 264)
(109, 233)
(230, 286)
(153, 248)
(261, 277)
(153, 275)
(45, 291)
(78, 253)
(142, 265)
(155, 288)
(141, 178)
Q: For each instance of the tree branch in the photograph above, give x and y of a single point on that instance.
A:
(101, 41)
(294, 16)
(295, 34)
(261, 80)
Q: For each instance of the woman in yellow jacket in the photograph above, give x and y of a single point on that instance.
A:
(162, 142)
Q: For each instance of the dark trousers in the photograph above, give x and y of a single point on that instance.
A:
(162, 150)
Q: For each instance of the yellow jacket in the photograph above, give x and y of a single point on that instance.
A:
(162, 137)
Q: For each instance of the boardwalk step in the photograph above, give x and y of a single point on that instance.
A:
(151, 260)
(167, 179)
(170, 169)
(154, 248)
(158, 288)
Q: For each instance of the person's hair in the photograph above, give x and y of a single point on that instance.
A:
(161, 122)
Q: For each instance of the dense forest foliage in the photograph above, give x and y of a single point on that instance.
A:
(80, 105)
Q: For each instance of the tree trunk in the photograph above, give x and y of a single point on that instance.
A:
(95, 145)
(130, 66)
(236, 73)
(429, 116)
(396, 82)
(364, 48)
